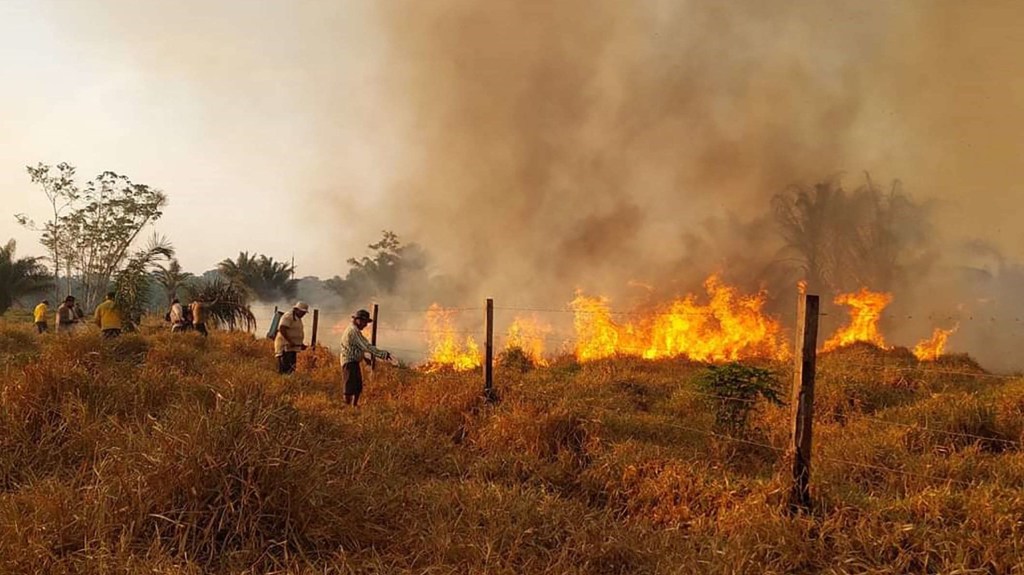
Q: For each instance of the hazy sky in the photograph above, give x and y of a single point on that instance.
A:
(305, 127)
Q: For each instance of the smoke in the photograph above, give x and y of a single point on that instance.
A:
(587, 143)
(534, 148)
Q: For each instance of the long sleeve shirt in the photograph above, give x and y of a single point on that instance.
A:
(354, 346)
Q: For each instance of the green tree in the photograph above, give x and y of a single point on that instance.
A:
(171, 278)
(58, 184)
(93, 229)
(20, 277)
(227, 303)
(264, 278)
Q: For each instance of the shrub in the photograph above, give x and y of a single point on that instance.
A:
(735, 389)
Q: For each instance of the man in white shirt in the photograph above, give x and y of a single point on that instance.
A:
(288, 341)
(177, 316)
(354, 349)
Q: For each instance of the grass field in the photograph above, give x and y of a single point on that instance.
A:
(161, 454)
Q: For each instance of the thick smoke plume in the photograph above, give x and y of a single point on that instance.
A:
(587, 144)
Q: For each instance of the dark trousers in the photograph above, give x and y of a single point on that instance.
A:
(286, 362)
(41, 327)
(110, 333)
(201, 328)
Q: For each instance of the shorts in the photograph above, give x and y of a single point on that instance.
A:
(352, 377)
(41, 327)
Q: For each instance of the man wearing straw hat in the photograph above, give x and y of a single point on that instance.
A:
(354, 348)
(288, 341)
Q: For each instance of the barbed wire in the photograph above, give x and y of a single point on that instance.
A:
(919, 427)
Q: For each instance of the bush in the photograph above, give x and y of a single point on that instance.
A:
(736, 389)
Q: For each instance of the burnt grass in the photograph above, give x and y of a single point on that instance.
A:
(161, 454)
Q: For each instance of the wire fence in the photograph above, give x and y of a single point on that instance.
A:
(409, 327)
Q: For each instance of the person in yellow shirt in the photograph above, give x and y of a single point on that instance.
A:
(39, 316)
(108, 317)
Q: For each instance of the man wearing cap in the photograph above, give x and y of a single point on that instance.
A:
(39, 315)
(67, 317)
(354, 348)
(288, 341)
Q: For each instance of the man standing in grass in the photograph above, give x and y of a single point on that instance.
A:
(39, 315)
(199, 310)
(288, 341)
(354, 348)
(108, 317)
(66, 316)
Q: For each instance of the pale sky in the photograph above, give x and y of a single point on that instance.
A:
(219, 104)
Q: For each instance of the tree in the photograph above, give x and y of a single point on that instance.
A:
(58, 184)
(93, 230)
(264, 278)
(227, 302)
(380, 273)
(171, 278)
(843, 240)
(20, 277)
(131, 283)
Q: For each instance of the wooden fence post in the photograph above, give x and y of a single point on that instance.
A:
(489, 393)
(373, 336)
(803, 399)
(316, 323)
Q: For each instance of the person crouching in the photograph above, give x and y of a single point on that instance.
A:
(354, 347)
(108, 317)
(288, 341)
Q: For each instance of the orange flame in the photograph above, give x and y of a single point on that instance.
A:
(528, 334)
(865, 310)
(931, 349)
(444, 346)
(730, 327)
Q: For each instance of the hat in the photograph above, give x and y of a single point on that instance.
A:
(362, 314)
(301, 305)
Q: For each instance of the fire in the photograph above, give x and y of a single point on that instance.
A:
(528, 334)
(444, 345)
(865, 310)
(728, 328)
(931, 349)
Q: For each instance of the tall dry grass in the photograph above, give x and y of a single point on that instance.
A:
(178, 454)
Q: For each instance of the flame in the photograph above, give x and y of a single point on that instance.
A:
(730, 327)
(528, 334)
(443, 344)
(931, 349)
(865, 310)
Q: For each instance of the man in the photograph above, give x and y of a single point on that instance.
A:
(66, 316)
(288, 341)
(39, 315)
(176, 316)
(198, 310)
(354, 348)
(108, 317)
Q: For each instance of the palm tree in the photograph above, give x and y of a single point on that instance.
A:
(227, 302)
(20, 277)
(131, 284)
(171, 278)
(264, 278)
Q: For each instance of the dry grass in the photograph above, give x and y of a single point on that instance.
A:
(178, 454)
